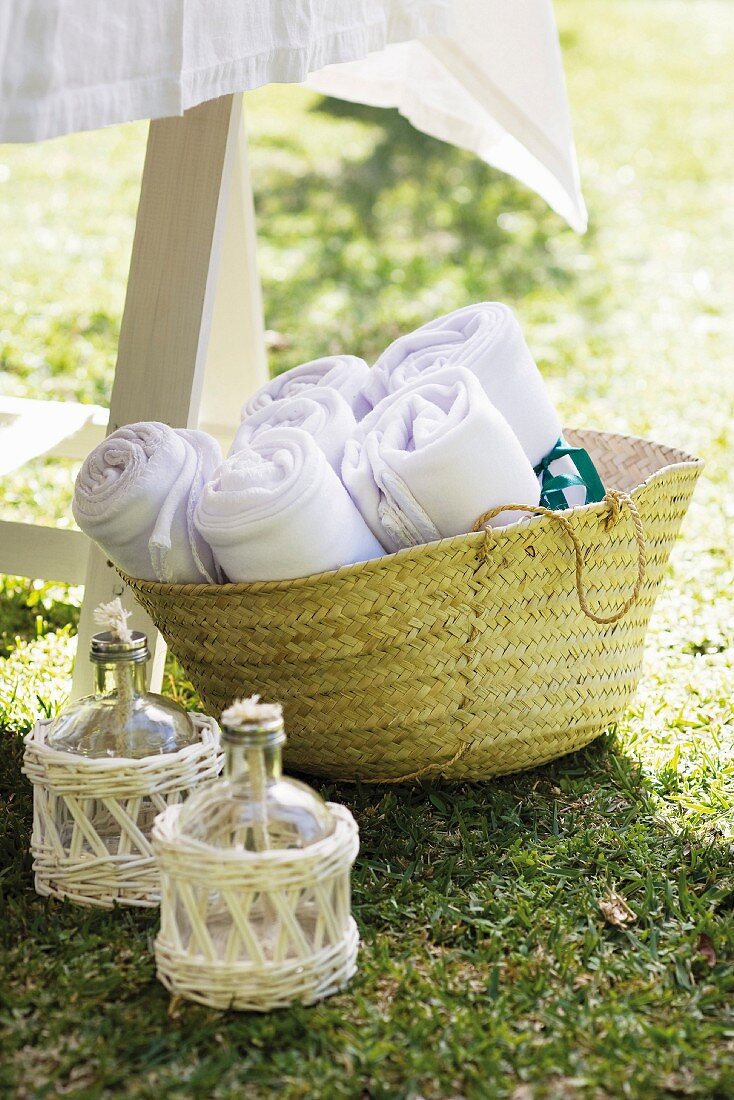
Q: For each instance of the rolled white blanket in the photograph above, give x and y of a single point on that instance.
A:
(135, 495)
(430, 459)
(345, 373)
(320, 411)
(276, 510)
(487, 340)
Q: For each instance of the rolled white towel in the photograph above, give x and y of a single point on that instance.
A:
(345, 373)
(135, 496)
(276, 510)
(487, 340)
(431, 458)
(320, 411)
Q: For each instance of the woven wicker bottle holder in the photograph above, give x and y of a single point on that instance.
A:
(92, 817)
(213, 947)
(470, 657)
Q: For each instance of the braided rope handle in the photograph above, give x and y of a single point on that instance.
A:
(615, 501)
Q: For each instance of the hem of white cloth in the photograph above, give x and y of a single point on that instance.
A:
(533, 162)
(73, 110)
(292, 66)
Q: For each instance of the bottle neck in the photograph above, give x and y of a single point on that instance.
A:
(107, 677)
(252, 765)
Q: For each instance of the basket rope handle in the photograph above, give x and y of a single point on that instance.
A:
(615, 501)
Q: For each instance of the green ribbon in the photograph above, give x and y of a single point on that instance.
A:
(553, 486)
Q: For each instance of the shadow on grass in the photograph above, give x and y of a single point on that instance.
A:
(478, 899)
(593, 817)
(589, 816)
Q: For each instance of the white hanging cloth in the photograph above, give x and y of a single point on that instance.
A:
(494, 85)
(486, 74)
(69, 65)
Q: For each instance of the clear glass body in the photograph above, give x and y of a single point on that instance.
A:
(254, 807)
(122, 718)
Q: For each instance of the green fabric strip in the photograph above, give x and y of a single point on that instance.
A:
(553, 486)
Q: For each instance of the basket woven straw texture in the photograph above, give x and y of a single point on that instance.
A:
(471, 656)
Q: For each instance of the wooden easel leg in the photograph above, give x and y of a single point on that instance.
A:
(170, 303)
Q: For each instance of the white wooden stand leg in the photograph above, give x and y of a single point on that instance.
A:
(170, 305)
(236, 363)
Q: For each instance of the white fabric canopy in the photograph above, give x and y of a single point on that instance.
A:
(486, 74)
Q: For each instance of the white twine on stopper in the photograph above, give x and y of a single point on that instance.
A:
(245, 712)
(113, 617)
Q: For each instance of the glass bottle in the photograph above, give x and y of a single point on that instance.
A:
(264, 893)
(121, 719)
(254, 807)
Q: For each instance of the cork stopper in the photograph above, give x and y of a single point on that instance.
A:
(249, 720)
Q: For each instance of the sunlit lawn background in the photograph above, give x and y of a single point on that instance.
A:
(487, 967)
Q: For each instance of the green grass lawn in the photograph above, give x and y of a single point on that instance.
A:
(487, 967)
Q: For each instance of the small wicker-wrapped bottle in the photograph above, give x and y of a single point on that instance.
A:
(102, 770)
(255, 880)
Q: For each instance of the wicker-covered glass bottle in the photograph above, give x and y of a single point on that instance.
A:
(121, 718)
(255, 807)
(255, 896)
(102, 770)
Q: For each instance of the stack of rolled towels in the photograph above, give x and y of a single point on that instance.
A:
(336, 462)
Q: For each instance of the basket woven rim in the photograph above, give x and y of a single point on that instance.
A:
(678, 458)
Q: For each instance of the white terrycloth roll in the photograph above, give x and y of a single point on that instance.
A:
(430, 459)
(487, 340)
(320, 411)
(276, 510)
(135, 495)
(345, 373)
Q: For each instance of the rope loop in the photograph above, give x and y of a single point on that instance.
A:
(615, 501)
(614, 507)
(429, 769)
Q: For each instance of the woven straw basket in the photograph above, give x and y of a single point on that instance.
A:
(472, 656)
